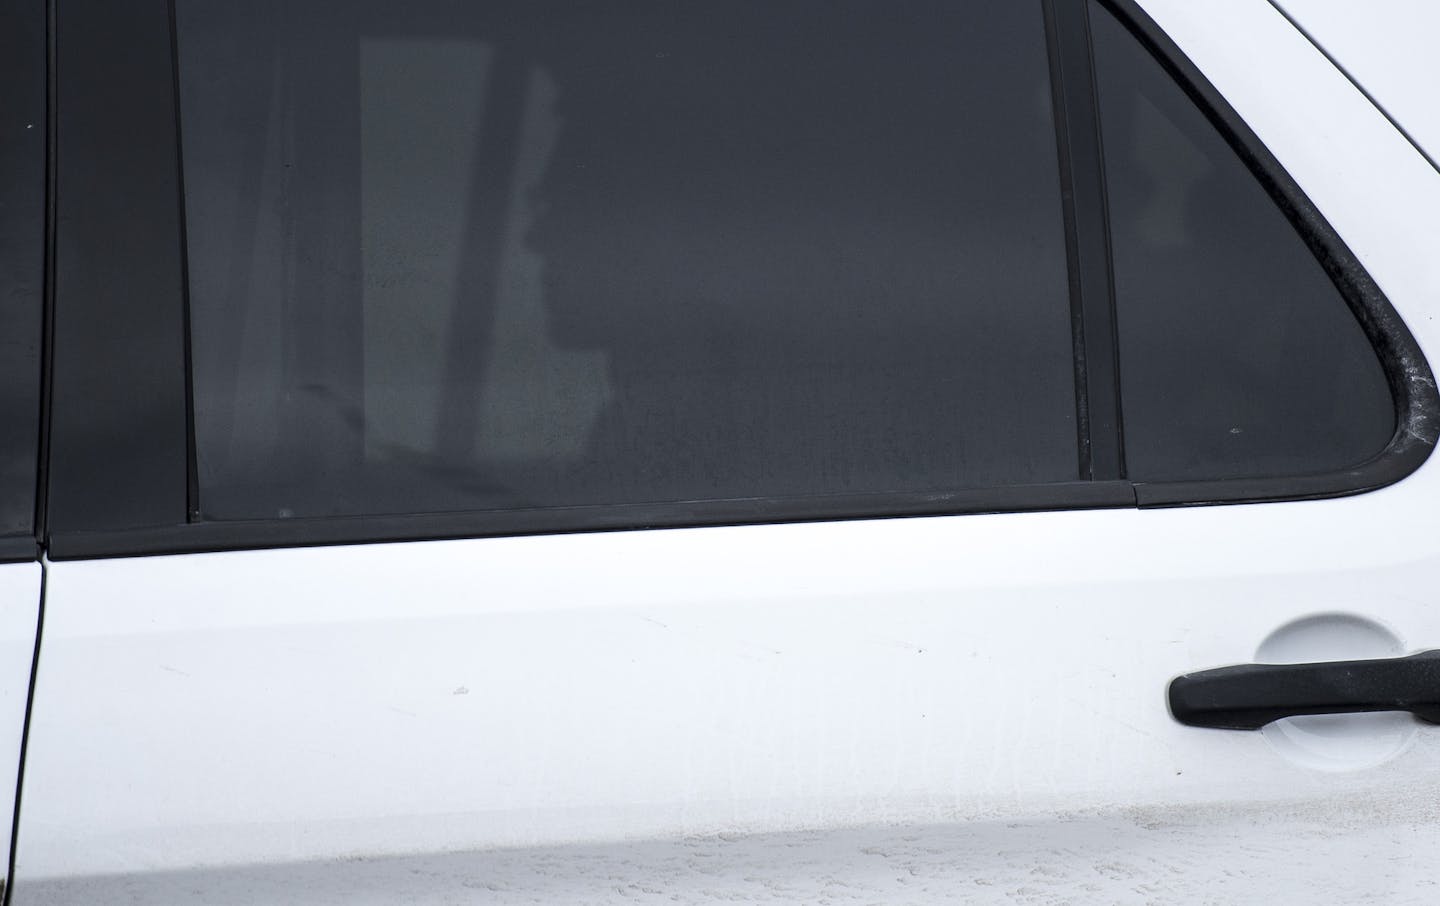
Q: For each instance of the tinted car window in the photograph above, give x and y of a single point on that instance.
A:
(1238, 355)
(451, 256)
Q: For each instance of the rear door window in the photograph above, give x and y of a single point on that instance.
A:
(451, 256)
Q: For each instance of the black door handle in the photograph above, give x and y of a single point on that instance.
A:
(1249, 696)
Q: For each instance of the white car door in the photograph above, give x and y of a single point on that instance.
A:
(738, 698)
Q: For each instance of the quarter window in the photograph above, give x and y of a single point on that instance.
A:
(1238, 355)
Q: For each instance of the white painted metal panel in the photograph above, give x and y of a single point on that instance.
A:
(942, 678)
(1389, 46)
(19, 610)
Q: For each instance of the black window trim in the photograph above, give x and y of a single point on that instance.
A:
(26, 66)
(19, 549)
(142, 502)
(1087, 226)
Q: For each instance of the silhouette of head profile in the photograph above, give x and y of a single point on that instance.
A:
(770, 217)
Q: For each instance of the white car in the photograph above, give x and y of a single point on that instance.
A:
(814, 451)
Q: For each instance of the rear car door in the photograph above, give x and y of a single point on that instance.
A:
(517, 453)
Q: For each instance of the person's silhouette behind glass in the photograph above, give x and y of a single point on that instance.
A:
(793, 230)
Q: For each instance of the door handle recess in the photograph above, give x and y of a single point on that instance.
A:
(1249, 696)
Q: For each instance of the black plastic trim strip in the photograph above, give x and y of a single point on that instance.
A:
(219, 536)
(1087, 222)
(118, 413)
(47, 321)
(1412, 384)
(24, 152)
(192, 470)
(1072, 244)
